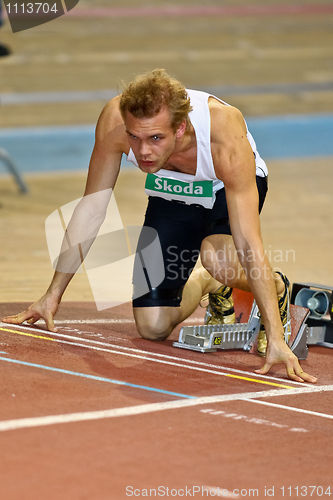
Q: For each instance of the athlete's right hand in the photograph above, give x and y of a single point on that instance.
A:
(44, 308)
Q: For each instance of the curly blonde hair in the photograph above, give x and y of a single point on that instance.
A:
(147, 94)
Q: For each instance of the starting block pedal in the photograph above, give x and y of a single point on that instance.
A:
(210, 338)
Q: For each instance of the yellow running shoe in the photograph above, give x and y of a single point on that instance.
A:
(284, 307)
(220, 309)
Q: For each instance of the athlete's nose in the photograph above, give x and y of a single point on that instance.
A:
(144, 149)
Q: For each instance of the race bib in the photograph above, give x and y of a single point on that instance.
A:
(191, 193)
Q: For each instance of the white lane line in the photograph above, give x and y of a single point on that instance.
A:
(99, 321)
(291, 408)
(109, 321)
(149, 353)
(24, 423)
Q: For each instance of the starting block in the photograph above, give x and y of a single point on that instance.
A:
(209, 338)
(243, 335)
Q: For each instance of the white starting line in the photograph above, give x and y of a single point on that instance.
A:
(149, 355)
(109, 321)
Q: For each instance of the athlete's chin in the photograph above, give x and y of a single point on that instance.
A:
(149, 167)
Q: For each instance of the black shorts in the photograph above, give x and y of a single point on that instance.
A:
(169, 245)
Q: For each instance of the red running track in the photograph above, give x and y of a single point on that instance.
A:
(95, 412)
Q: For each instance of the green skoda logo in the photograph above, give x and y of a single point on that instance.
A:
(200, 189)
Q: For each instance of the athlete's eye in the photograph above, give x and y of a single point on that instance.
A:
(156, 138)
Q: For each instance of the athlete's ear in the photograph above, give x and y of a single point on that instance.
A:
(181, 129)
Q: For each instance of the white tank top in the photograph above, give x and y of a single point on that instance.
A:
(201, 187)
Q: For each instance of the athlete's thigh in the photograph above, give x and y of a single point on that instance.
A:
(179, 231)
(218, 253)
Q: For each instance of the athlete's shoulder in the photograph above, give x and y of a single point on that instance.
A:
(220, 110)
(224, 119)
(110, 124)
(110, 115)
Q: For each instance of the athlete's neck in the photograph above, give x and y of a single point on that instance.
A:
(186, 141)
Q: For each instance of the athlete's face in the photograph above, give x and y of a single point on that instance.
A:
(152, 139)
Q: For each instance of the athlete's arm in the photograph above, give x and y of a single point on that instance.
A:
(235, 166)
(88, 216)
(110, 143)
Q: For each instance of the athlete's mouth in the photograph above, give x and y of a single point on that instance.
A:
(146, 163)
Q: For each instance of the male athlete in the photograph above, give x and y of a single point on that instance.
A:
(206, 184)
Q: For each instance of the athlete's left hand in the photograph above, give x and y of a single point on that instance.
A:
(279, 352)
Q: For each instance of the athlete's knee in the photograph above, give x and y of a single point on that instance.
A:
(213, 259)
(153, 332)
(152, 326)
(222, 269)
